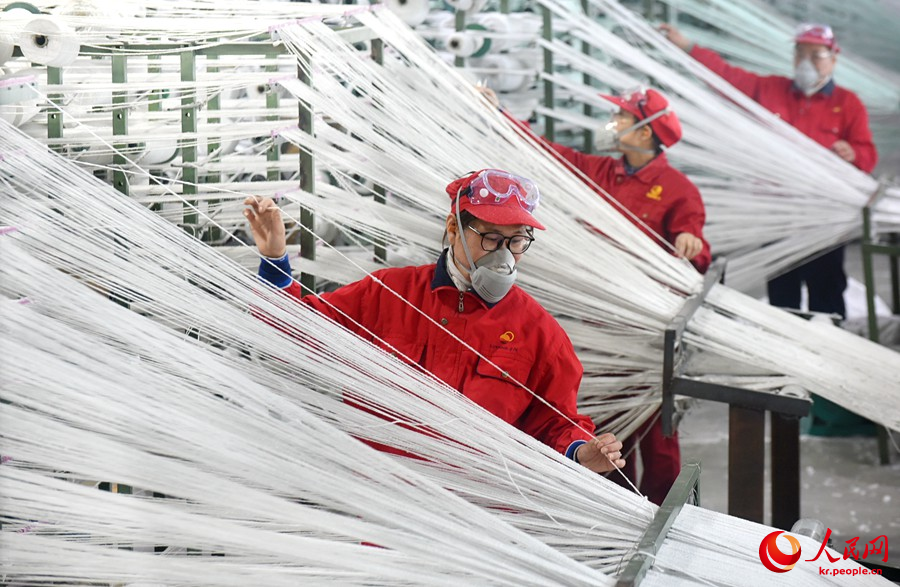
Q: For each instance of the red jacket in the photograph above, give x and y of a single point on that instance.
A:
(829, 115)
(662, 197)
(516, 334)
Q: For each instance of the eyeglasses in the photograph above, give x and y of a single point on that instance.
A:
(492, 241)
(493, 186)
(816, 55)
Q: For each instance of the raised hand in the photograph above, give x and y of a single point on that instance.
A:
(268, 228)
(674, 35)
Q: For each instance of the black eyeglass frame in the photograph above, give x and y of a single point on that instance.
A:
(506, 240)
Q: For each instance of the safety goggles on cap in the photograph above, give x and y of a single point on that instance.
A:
(649, 107)
(817, 34)
(493, 186)
(635, 97)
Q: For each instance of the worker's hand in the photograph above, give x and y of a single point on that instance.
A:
(844, 151)
(268, 229)
(601, 454)
(489, 94)
(674, 35)
(688, 245)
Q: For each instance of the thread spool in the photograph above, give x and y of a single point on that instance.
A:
(7, 45)
(20, 113)
(467, 5)
(508, 73)
(443, 19)
(467, 44)
(509, 30)
(412, 12)
(496, 23)
(157, 152)
(12, 19)
(49, 41)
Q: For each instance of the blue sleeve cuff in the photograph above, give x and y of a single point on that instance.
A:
(276, 272)
(570, 452)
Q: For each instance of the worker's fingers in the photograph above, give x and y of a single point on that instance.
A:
(261, 206)
(490, 95)
(687, 245)
(607, 442)
(696, 245)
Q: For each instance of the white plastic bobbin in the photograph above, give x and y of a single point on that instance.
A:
(49, 41)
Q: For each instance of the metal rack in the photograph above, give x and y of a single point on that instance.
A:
(871, 245)
(685, 490)
(746, 425)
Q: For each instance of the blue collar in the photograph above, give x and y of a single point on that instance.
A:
(441, 275)
(629, 170)
(825, 90)
(442, 279)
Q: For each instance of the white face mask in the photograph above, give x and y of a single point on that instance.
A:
(493, 275)
(807, 79)
(607, 139)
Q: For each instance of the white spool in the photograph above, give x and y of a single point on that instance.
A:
(10, 21)
(412, 12)
(509, 30)
(49, 41)
(468, 5)
(465, 43)
(443, 19)
(496, 23)
(7, 44)
(158, 152)
(508, 73)
(20, 113)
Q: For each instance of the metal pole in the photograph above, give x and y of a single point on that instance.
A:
(189, 146)
(120, 120)
(549, 100)
(683, 491)
(307, 181)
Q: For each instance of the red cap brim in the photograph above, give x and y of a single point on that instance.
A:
(508, 215)
(816, 40)
(623, 104)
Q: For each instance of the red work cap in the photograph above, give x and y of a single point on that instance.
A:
(816, 34)
(497, 196)
(641, 104)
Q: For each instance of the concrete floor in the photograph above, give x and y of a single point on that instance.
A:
(842, 483)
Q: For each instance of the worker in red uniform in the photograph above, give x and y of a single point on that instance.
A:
(667, 204)
(469, 293)
(662, 198)
(830, 115)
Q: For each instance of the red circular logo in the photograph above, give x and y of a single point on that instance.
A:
(771, 556)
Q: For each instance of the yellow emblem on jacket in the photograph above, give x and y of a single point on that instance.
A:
(507, 336)
(655, 193)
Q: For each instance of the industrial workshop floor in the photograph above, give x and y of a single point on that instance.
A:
(842, 484)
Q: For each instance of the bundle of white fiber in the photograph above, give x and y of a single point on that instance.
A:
(761, 39)
(219, 428)
(616, 320)
(247, 474)
(768, 189)
(132, 255)
(420, 125)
